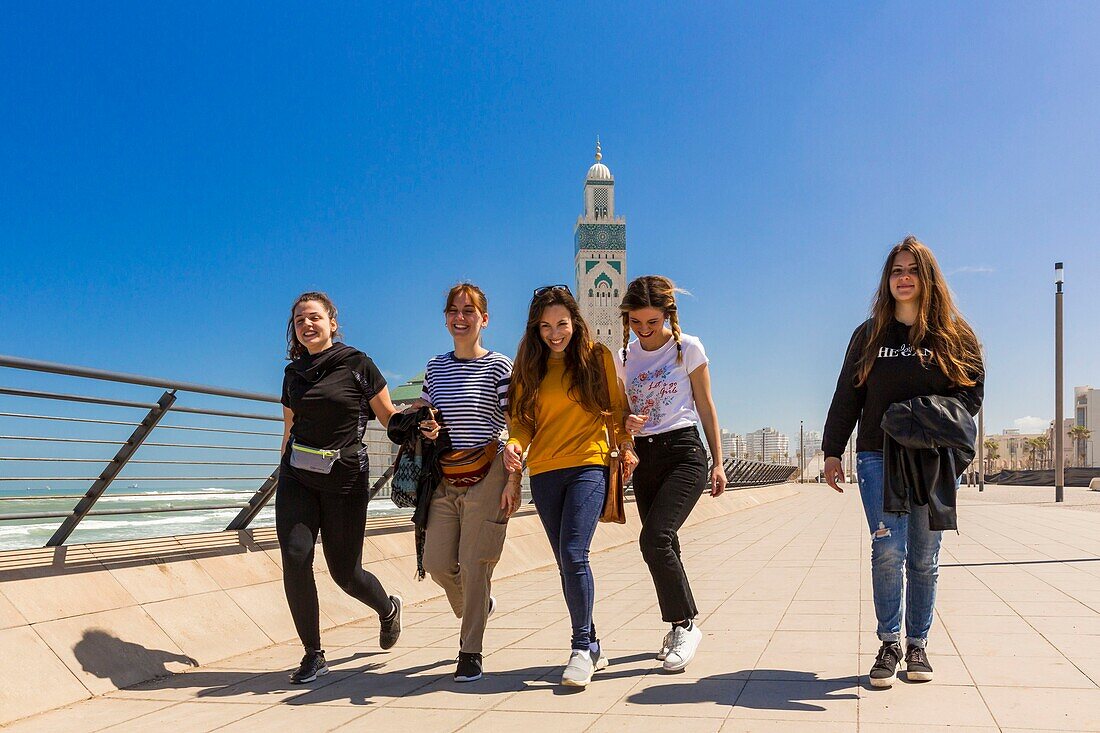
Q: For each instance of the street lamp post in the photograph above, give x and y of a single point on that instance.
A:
(1059, 456)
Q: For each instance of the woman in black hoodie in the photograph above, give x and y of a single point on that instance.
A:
(330, 392)
(915, 344)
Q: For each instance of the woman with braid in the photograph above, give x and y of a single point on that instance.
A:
(668, 387)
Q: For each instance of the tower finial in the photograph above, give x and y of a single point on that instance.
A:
(599, 155)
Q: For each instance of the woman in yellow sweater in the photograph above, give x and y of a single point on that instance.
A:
(556, 405)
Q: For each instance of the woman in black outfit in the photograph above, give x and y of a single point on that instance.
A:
(330, 392)
(915, 344)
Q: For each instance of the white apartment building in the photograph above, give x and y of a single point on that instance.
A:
(768, 444)
(733, 445)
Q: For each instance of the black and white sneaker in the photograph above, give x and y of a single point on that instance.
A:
(885, 669)
(917, 668)
(390, 628)
(313, 666)
(469, 667)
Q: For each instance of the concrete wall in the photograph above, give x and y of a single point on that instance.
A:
(81, 621)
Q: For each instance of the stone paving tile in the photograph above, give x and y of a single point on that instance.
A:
(1057, 709)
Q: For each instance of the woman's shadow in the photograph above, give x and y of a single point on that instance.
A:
(774, 690)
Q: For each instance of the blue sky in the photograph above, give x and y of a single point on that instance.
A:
(174, 174)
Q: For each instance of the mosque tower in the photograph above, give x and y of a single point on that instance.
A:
(600, 246)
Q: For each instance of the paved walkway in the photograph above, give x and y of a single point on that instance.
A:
(788, 624)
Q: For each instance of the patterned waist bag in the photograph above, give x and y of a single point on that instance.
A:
(468, 466)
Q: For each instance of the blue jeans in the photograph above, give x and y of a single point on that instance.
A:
(902, 546)
(570, 501)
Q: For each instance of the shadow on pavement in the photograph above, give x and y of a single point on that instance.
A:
(782, 690)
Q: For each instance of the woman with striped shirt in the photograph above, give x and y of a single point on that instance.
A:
(470, 508)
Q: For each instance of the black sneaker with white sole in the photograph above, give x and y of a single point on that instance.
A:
(313, 666)
(917, 668)
(390, 628)
(885, 669)
(469, 667)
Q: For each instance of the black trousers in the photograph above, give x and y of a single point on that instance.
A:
(667, 485)
(300, 512)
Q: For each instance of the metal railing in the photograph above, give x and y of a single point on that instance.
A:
(228, 441)
(743, 474)
(246, 439)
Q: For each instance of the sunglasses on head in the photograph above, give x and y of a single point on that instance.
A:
(548, 288)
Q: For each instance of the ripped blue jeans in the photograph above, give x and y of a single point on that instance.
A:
(902, 548)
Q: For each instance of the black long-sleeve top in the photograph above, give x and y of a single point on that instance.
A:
(897, 375)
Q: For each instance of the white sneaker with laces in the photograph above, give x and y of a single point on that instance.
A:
(682, 647)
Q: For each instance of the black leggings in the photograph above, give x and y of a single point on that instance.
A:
(341, 518)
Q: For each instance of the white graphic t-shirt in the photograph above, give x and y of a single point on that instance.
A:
(658, 386)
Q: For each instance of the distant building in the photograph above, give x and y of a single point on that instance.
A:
(1086, 406)
(1015, 451)
(733, 445)
(600, 256)
(768, 444)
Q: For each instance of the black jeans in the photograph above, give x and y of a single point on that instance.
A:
(667, 485)
(341, 518)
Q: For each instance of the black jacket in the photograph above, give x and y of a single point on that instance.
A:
(404, 429)
(928, 443)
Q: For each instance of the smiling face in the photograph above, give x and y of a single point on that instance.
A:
(648, 324)
(556, 328)
(313, 326)
(905, 278)
(465, 319)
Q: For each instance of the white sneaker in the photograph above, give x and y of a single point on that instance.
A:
(682, 648)
(665, 643)
(578, 672)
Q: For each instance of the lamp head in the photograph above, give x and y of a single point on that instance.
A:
(1059, 277)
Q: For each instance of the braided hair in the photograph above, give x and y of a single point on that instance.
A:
(652, 291)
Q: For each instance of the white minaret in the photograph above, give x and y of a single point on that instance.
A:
(600, 246)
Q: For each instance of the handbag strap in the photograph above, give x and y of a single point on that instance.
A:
(608, 419)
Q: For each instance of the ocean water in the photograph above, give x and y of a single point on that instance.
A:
(24, 533)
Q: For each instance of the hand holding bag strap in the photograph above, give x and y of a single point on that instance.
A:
(614, 507)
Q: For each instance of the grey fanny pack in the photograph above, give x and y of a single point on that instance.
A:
(318, 460)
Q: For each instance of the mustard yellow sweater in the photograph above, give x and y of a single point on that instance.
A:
(567, 435)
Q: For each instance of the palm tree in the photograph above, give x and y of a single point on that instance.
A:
(1080, 434)
(1033, 451)
(990, 454)
(1042, 445)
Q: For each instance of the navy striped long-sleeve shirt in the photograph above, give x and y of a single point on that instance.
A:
(472, 394)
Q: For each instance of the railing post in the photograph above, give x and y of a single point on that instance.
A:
(256, 504)
(125, 453)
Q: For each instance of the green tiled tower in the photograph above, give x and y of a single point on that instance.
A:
(600, 256)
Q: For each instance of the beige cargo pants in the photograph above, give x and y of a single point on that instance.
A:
(462, 544)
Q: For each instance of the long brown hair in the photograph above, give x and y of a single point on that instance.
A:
(295, 349)
(652, 291)
(583, 362)
(939, 328)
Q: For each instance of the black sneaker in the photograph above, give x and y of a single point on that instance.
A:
(917, 668)
(469, 667)
(885, 669)
(313, 666)
(390, 628)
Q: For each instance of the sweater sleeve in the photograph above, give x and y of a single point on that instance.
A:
(848, 399)
(971, 397)
(518, 434)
